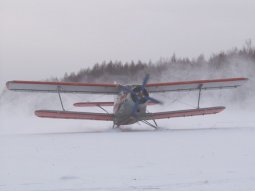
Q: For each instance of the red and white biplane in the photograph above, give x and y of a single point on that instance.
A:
(131, 102)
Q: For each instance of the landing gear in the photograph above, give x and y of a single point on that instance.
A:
(151, 125)
(155, 126)
(114, 126)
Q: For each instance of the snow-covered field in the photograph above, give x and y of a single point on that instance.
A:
(215, 152)
(217, 159)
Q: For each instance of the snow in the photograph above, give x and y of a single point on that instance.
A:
(199, 153)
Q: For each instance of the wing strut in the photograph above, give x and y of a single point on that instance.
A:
(199, 95)
(102, 108)
(59, 88)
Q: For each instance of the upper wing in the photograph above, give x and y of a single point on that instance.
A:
(74, 115)
(65, 87)
(75, 87)
(183, 113)
(195, 85)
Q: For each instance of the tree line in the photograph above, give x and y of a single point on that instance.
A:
(225, 63)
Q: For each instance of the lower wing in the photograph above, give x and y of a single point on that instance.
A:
(110, 117)
(183, 113)
(74, 115)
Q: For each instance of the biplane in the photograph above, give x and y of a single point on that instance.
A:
(131, 101)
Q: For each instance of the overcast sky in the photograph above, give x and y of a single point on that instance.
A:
(45, 38)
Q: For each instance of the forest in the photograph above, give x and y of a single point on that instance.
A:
(232, 63)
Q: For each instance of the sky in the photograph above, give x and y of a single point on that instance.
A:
(40, 39)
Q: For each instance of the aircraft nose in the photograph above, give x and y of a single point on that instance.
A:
(140, 95)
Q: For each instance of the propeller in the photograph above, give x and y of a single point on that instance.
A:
(140, 95)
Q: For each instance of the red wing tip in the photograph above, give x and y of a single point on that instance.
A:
(221, 108)
(218, 108)
(42, 113)
(77, 105)
(39, 113)
(241, 78)
(8, 85)
(244, 79)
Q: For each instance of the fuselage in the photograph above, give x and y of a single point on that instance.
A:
(124, 106)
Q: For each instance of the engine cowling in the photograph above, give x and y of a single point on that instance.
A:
(140, 96)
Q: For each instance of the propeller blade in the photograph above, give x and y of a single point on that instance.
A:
(145, 80)
(137, 98)
(153, 100)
